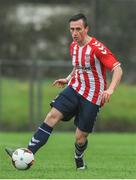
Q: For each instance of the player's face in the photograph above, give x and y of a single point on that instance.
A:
(78, 31)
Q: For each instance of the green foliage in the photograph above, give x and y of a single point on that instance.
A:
(109, 156)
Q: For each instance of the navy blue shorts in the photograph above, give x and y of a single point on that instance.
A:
(71, 104)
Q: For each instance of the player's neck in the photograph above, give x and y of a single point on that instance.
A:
(87, 39)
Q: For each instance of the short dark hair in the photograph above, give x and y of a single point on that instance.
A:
(79, 16)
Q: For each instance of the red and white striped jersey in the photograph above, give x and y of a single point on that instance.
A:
(90, 62)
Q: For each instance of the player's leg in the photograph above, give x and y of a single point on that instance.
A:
(85, 120)
(63, 108)
(44, 131)
(80, 146)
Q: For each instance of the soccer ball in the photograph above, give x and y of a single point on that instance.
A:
(22, 158)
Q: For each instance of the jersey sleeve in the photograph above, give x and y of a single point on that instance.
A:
(105, 56)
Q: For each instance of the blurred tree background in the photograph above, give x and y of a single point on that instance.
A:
(34, 37)
(39, 29)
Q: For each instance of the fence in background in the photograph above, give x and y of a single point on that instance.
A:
(34, 73)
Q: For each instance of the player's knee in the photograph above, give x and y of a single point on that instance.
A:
(81, 139)
(52, 118)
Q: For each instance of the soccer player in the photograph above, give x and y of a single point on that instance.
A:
(85, 91)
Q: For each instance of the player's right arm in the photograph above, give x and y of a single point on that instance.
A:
(60, 83)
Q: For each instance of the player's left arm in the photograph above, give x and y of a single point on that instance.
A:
(110, 62)
(116, 77)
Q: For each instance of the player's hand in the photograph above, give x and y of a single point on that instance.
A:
(60, 83)
(106, 95)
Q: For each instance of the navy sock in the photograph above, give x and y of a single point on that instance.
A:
(40, 137)
(79, 150)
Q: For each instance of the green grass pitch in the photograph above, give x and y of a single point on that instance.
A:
(108, 156)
